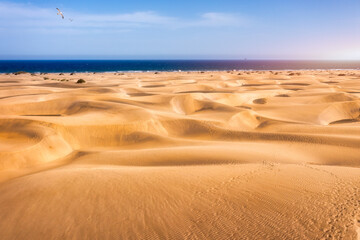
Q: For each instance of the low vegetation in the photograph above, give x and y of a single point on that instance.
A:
(20, 72)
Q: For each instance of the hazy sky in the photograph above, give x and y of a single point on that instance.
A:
(186, 29)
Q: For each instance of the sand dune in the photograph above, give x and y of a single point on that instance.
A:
(214, 155)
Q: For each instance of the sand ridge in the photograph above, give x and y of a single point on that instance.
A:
(180, 155)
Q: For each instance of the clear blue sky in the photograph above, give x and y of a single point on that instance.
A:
(186, 29)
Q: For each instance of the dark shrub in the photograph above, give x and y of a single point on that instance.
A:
(260, 101)
(20, 72)
(81, 81)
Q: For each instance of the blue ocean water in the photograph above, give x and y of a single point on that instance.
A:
(8, 66)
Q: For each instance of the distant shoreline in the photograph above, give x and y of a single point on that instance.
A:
(166, 72)
(118, 66)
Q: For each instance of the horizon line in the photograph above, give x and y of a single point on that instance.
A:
(178, 59)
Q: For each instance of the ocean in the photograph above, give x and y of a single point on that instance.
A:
(50, 66)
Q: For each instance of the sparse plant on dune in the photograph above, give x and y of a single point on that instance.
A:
(20, 72)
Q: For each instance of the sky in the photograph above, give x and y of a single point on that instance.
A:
(186, 29)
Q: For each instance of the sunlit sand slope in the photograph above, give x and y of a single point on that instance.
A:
(214, 155)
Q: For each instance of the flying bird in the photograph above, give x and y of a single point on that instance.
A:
(60, 13)
(70, 19)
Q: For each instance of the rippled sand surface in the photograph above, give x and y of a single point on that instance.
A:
(213, 155)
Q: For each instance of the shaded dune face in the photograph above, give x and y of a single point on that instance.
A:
(215, 155)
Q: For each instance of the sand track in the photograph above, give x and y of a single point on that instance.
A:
(180, 156)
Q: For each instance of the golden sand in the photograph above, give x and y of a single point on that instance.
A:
(215, 155)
